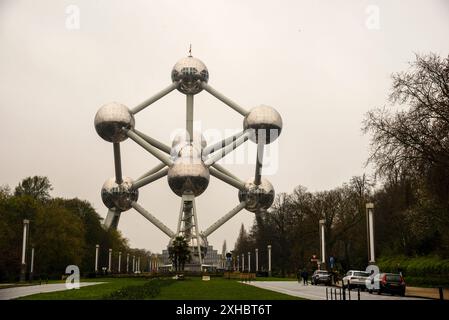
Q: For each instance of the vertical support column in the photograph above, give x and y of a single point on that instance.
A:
(110, 261)
(322, 242)
(238, 263)
(269, 260)
(119, 262)
(197, 231)
(26, 225)
(97, 247)
(134, 264)
(249, 261)
(32, 264)
(257, 260)
(370, 232)
(189, 116)
(127, 263)
(243, 262)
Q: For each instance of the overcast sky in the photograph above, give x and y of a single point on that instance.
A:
(321, 64)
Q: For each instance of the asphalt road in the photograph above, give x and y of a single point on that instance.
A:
(17, 292)
(293, 288)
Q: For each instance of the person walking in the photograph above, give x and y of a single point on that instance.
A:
(305, 277)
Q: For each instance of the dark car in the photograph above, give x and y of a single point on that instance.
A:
(392, 283)
(321, 276)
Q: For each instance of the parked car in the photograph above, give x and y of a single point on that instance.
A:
(392, 283)
(321, 276)
(355, 279)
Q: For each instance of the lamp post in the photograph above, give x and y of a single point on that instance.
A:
(238, 263)
(97, 247)
(26, 225)
(119, 261)
(32, 264)
(127, 263)
(110, 261)
(269, 260)
(370, 232)
(322, 242)
(257, 260)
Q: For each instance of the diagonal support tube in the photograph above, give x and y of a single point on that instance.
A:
(165, 148)
(153, 219)
(223, 152)
(162, 157)
(149, 179)
(225, 171)
(157, 168)
(224, 219)
(155, 143)
(224, 99)
(225, 178)
(221, 144)
(117, 163)
(155, 98)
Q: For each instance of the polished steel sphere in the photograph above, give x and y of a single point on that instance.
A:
(259, 197)
(119, 196)
(265, 122)
(181, 140)
(190, 72)
(110, 121)
(188, 174)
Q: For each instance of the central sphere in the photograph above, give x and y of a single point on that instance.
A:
(259, 197)
(110, 121)
(190, 72)
(188, 174)
(119, 196)
(181, 140)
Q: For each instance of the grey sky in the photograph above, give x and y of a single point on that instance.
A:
(316, 62)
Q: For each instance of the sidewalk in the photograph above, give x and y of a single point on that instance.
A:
(21, 291)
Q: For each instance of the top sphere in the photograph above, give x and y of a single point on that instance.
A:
(110, 121)
(266, 123)
(190, 72)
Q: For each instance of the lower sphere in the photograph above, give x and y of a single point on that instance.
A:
(119, 196)
(259, 197)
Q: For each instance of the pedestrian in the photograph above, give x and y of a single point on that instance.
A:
(305, 277)
(298, 275)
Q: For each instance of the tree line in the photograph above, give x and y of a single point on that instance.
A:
(410, 186)
(62, 231)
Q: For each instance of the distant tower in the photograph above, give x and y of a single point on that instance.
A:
(223, 255)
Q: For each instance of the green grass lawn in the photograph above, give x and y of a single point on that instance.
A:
(188, 289)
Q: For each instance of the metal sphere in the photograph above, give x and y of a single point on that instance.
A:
(181, 140)
(190, 72)
(188, 173)
(259, 197)
(119, 196)
(265, 122)
(110, 121)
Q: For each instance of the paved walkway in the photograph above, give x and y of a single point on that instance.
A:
(293, 288)
(17, 292)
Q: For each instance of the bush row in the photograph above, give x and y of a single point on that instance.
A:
(424, 266)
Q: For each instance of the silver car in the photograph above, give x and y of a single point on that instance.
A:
(354, 279)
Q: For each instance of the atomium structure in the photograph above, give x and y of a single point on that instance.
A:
(189, 162)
